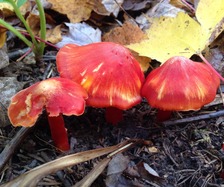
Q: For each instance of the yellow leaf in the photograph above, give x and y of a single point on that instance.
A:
(209, 13)
(167, 37)
(211, 17)
(182, 35)
(75, 10)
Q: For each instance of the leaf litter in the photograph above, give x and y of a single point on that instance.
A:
(176, 154)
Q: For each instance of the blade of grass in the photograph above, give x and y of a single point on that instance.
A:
(16, 32)
(42, 25)
(20, 16)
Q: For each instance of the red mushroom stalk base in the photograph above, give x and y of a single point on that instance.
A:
(113, 115)
(58, 132)
(163, 115)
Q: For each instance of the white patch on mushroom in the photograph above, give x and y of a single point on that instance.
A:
(83, 73)
(84, 80)
(161, 91)
(98, 67)
(95, 89)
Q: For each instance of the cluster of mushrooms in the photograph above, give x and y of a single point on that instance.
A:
(106, 75)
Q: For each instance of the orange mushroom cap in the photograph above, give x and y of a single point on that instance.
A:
(108, 71)
(180, 84)
(57, 95)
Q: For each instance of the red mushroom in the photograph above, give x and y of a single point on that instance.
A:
(180, 84)
(108, 71)
(58, 96)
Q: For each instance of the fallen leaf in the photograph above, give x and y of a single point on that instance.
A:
(112, 6)
(2, 37)
(164, 8)
(80, 34)
(162, 43)
(33, 21)
(135, 5)
(99, 8)
(8, 10)
(190, 37)
(75, 10)
(209, 16)
(54, 35)
(215, 54)
(115, 168)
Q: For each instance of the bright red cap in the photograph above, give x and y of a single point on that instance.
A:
(180, 84)
(57, 95)
(108, 71)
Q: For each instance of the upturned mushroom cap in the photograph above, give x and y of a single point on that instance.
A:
(56, 95)
(180, 84)
(108, 71)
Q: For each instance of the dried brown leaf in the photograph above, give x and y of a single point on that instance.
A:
(54, 35)
(75, 10)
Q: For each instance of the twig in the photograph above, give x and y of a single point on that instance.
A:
(98, 169)
(60, 174)
(10, 148)
(196, 118)
(189, 5)
(32, 177)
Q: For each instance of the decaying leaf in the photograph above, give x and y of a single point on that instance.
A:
(2, 36)
(135, 5)
(7, 9)
(80, 34)
(127, 34)
(34, 22)
(115, 168)
(54, 35)
(112, 7)
(75, 10)
(190, 36)
(164, 8)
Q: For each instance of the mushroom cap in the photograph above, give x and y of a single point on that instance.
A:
(180, 84)
(108, 71)
(56, 95)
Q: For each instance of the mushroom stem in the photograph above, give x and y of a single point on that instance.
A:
(59, 132)
(113, 115)
(163, 115)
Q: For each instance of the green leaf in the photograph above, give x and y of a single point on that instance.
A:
(21, 2)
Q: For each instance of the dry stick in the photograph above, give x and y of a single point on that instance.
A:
(192, 119)
(98, 169)
(32, 177)
(189, 5)
(60, 174)
(10, 148)
(93, 174)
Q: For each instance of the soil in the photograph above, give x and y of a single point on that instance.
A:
(189, 154)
